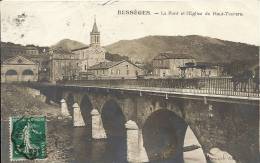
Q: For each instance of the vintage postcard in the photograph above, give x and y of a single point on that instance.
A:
(120, 81)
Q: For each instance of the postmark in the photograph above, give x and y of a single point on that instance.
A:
(27, 138)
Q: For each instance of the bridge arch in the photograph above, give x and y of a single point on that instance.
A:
(86, 108)
(164, 134)
(114, 125)
(113, 118)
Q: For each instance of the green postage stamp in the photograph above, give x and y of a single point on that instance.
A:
(27, 138)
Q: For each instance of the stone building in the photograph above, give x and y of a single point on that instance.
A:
(64, 65)
(18, 69)
(201, 69)
(116, 70)
(166, 64)
(39, 55)
(9, 50)
(92, 54)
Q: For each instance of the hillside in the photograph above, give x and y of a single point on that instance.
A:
(68, 45)
(201, 48)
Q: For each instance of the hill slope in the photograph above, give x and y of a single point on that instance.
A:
(68, 45)
(201, 48)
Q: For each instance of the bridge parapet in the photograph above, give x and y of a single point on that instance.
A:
(215, 86)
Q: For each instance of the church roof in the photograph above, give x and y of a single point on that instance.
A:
(85, 47)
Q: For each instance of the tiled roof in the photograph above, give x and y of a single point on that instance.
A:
(107, 65)
(104, 65)
(61, 51)
(199, 65)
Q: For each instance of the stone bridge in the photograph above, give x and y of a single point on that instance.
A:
(154, 122)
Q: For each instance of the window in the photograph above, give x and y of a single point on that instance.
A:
(127, 72)
(118, 72)
(103, 71)
(85, 67)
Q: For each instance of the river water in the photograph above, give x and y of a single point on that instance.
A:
(113, 150)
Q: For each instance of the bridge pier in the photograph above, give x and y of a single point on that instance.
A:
(77, 116)
(136, 152)
(98, 131)
(64, 108)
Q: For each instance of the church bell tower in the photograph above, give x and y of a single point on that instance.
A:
(95, 35)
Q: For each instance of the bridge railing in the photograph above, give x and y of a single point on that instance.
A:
(217, 86)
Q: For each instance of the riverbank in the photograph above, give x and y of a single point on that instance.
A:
(65, 143)
(17, 101)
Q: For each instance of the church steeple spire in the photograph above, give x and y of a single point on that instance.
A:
(95, 28)
(95, 35)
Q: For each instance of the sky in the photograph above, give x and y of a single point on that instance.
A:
(46, 22)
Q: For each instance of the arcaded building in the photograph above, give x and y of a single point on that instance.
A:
(18, 69)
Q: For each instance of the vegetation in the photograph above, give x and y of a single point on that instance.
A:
(115, 57)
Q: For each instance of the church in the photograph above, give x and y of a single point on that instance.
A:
(92, 54)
